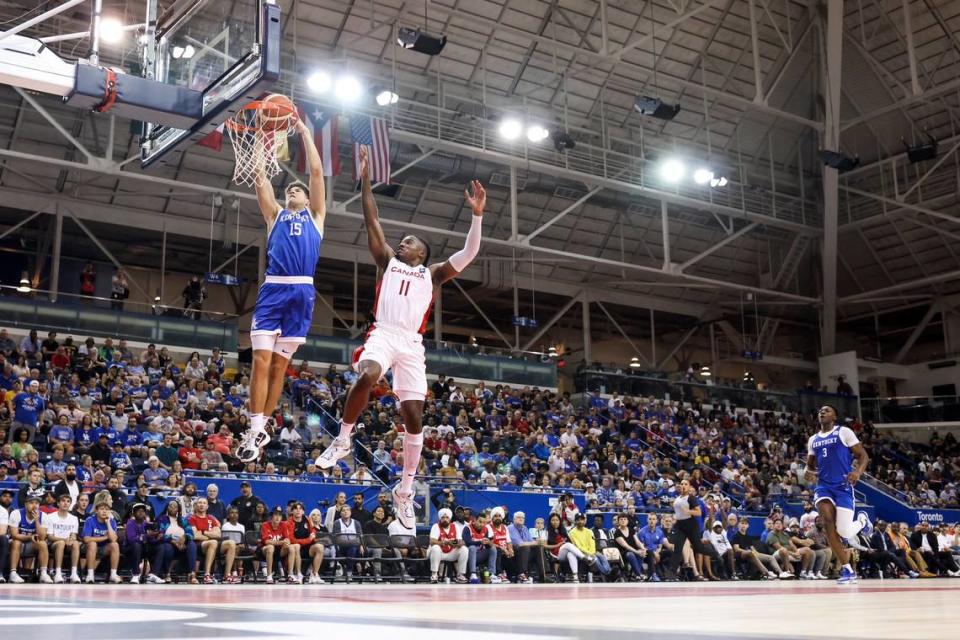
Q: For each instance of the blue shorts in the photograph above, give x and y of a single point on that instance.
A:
(285, 310)
(841, 497)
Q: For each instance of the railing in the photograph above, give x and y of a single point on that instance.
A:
(620, 162)
(911, 409)
(71, 316)
(879, 485)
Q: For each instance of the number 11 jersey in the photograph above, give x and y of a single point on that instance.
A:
(404, 297)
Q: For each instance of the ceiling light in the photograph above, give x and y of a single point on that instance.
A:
(347, 89)
(672, 170)
(511, 128)
(24, 283)
(702, 176)
(537, 133)
(705, 371)
(319, 82)
(387, 97)
(718, 182)
(111, 31)
(420, 41)
(656, 108)
(634, 362)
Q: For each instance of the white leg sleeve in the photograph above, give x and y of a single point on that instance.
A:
(286, 347)
(847, 527)
(263, 341)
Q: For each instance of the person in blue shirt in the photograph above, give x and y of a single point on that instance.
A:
(836, 460)
(100, 539)
(56, 468)
(523, 546)
(119, 458)
(131, 440)
(28, 406)
(61, 434)
(106, 429)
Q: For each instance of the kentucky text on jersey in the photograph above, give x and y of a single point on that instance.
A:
(834, 459)
(293, 244)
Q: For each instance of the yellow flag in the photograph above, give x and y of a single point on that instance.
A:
(283, 148)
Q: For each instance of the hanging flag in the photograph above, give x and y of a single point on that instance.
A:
(213, 140)
(324, 125)
(283, 147)
(371, 133)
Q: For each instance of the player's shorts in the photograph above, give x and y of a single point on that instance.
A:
(285, 310)
(841, 497)
(401, 351)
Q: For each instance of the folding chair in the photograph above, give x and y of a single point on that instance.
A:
(388, 555)
(344, 541)
(416, 562)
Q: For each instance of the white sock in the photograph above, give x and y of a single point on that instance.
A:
(848, 567)
(257, 421)
(57, 572)
(346, 428)
(412, 446)
(73, 571)
(90, 573)
(113, 573)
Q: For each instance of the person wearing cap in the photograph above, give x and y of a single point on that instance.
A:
(585, 541)
(807, 550)
(246, 505)
(275, 545)
(62, 529)
(303, 533)
(136, 538)
(27, 538)
(28, 406)
(447, 545)
(717, 538)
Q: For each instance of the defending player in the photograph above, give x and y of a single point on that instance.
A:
(285, 302)
(830, 455)
(404, 298)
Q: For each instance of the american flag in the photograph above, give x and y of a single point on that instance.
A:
(372, 133)
(324, 126)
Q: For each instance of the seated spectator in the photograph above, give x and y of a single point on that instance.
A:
(207, 534)
(501, 540)
(63, 531)
(275, 544)
(630, 546)
(136, 539)
(61, 434)
(447, 545)
(478, 538)
(304, 536)
(100, 539)
(525, 546)
(561, 548)
(938, 560)
(749, 549)
(154, 475)
(27, 540)
(585, 541)
(34, 487)
(781, 541)
(652, 538)
(234, 531)
(174, 540)
(345, 524)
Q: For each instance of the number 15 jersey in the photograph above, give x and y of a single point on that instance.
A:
(404, 297)
(293, 244)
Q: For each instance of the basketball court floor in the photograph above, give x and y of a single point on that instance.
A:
(874, 609)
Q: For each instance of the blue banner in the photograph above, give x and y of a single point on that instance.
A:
(893, 510)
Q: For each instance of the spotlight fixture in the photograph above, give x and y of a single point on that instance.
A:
(705, 371)
(179, 52)
(634, 362)
(563, 141)
(420, 41)
(347, 89)
(702, 176)
(718, 182)
(319, 82)
(537, 133)
(386, 98)
(839, 161)
(552, 352)
(655, 107)
(111, 31)
(672, 170)
(921, 152)
(24, 283)
(510, 128)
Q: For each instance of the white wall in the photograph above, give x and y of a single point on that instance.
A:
(840, 364)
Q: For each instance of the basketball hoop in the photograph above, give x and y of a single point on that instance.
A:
(257, 132)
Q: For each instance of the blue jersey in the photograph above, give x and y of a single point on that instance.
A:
(293, 244)
(834, 459)
(28, 407)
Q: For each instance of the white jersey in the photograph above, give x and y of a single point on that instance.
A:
(404, 297)
(60, 528)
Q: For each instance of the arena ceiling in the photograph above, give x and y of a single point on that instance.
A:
(748, 75)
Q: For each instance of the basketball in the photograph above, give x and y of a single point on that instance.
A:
(275, 112)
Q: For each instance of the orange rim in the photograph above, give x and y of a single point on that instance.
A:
(236, 123)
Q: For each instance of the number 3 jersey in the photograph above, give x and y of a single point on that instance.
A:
(293, 244)
(404, 297)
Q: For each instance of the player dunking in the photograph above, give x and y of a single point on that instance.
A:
(830, 455)
(284, 306)
(404, 296)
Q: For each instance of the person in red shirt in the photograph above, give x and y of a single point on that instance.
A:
(190, 456)
(303, 533)
(501, 540)
(275, 540)
(206, 534)
(222, 441)
(60, 359)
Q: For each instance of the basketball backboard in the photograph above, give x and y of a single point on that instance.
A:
(229, 51)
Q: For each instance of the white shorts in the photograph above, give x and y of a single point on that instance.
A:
(402, 352)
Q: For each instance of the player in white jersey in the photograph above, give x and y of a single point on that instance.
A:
(404, 298)
(62, 530)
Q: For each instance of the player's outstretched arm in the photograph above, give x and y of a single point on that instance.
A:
(476, 198)
(269, 206)
(318, 188)
(376, 241)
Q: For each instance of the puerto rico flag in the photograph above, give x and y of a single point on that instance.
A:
(372, 133)
(323, 125)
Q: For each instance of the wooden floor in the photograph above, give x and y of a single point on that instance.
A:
(873, 609)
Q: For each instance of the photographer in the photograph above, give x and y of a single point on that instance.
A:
(193, 296)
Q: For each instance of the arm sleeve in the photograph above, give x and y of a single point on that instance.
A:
(848, 437)
(810, 446)
(471, 247)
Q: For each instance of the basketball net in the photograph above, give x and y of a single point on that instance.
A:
(256, 141)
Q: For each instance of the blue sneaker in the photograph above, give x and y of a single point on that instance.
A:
(654, 578)
(847, 576)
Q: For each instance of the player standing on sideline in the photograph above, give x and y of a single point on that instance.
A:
(284, 308)
(830, 455)
(404, 298)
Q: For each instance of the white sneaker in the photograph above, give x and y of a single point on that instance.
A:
(115, 579)
(771, 575)
(74, 578)
(15, 578)
(155, 579)
(820, 576)
(45, 578)
(269, 579)
(90, 580)
(339, 448)
(403, 508)
(786, 575)
(495, 580)
(58, 578)
(135, 579)
(251, 445)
